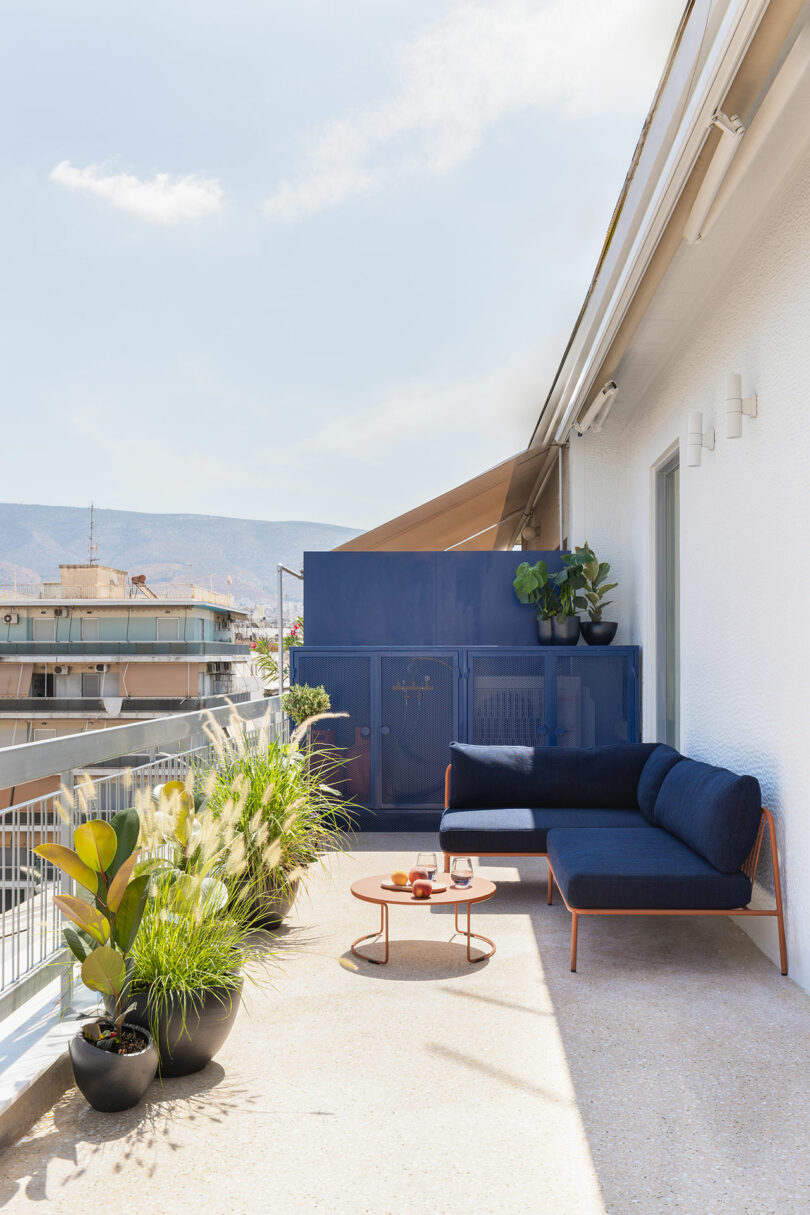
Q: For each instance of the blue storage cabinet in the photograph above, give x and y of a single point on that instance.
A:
(406, 705)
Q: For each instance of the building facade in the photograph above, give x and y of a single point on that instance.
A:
(97, 649)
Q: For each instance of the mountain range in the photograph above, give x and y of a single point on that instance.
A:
(205, 549)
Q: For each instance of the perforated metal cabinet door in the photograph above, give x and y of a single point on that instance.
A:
(506, 698)
(593, 699)
(347, 679)
(418, 721)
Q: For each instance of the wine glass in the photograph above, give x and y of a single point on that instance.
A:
(461, 872)
(427, 861)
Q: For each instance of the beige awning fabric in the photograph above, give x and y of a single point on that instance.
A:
(480, 514)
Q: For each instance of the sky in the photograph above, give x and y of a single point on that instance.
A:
(306, 260)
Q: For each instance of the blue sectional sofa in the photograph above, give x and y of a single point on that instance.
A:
(630, 829)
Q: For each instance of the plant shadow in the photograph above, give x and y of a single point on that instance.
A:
(129, 1137)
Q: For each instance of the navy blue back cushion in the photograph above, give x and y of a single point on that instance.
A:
(662, 760)
(483, 778)
(714, 811)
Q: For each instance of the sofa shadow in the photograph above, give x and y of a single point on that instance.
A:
(686, 1048)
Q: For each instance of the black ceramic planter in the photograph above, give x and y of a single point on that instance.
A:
(268, 910)
(544, 631)
(565, 630)
(186, 1043)
(113, 1082)
(599, 632)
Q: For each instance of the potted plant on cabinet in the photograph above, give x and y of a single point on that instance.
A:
(533, 584)
(114, 1059)
(567, 581)
(596, 631)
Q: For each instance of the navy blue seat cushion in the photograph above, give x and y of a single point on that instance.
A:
(714, 811)
(484, 778)
(662, 760)
(639, 868)
(511, 831)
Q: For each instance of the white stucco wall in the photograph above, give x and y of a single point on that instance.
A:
(745, 532)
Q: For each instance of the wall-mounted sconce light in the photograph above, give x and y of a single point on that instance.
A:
(697, 439)
(736, 406)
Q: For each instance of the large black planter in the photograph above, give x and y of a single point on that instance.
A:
(187, 1042)
(113, 1082)
(599, 632)
(268, 910)
(564, 630)
(544, 631)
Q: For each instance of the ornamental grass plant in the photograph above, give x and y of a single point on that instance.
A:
(279, 799)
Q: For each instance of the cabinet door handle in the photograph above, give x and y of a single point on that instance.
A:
(385, 729)
(365, 731)
(560, 731)
(543, 731)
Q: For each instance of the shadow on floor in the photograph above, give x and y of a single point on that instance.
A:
(687, 1050)
(125, 1138)
(415, 961)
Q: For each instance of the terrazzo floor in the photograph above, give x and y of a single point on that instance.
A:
(668, 1075)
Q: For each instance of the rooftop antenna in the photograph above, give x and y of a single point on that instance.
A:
(92, 547)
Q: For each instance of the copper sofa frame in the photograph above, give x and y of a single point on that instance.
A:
(749, 869)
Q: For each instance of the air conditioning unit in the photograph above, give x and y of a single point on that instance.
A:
(60, 611)
(61, 670)
(101, 667)
(11, 618)
(219, 668)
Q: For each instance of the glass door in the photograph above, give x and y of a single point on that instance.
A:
(668, 602)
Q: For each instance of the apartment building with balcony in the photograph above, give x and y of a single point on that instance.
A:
(97, 648)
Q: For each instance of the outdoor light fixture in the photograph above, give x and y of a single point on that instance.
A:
(736, 406)
(731, 132)
(596, 416)
(697, 439)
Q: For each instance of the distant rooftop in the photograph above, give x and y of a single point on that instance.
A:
(91, 582)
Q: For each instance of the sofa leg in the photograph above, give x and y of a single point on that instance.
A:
(446, 863)
(574, 926)
(550, 891)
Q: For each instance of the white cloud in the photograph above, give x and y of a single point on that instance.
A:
(484, 60)
(160, 200)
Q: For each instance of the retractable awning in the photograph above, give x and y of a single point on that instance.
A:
(480, 514)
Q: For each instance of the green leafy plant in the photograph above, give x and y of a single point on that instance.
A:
(533, 584)
(103, 862)
(594, 573)
(568, 581)
(302, 702)
(295, 636)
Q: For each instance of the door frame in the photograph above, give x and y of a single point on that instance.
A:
(664, 466)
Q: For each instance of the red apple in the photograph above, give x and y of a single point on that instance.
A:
(422, 889)
(415, 874)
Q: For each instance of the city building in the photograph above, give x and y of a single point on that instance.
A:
(98, 648)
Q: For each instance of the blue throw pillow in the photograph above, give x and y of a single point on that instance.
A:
(662, 761)
(714, 811)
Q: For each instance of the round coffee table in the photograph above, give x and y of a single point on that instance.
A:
(370, 890)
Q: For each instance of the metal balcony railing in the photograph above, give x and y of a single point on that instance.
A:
(21, 593)
(31, 926)
(33, 705)
(90, 651)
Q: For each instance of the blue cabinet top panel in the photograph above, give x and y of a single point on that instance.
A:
(417, 599)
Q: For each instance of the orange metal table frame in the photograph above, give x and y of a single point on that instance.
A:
(370, 890)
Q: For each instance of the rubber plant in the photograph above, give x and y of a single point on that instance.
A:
(594, 573)
(102, 861)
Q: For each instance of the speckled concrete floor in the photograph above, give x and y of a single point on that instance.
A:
(668, 1075)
